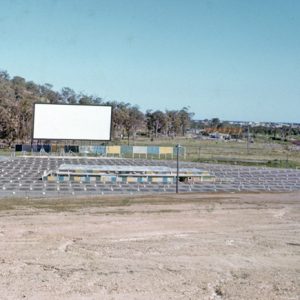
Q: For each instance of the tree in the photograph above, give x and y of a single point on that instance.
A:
(97, 100)
(156, 122)
(134, 119)
(17, 97)
(215, 122)
(85, 99)
(48, 95)
(4, 75)
(68, 95)
(119, 114)
(173, 122)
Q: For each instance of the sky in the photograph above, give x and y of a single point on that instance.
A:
(231, 59)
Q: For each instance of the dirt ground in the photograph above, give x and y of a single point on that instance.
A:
(195, 246)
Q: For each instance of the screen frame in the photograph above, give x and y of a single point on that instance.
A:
(68, 139)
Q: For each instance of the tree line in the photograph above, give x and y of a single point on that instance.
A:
(271, 130)
(17, 97)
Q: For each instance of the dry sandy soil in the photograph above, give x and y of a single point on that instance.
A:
(195, 246)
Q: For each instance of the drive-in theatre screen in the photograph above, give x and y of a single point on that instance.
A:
(72, 122)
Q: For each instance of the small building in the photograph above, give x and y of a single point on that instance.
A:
(126, 174)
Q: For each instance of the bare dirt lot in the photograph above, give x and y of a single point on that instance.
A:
(195, 246)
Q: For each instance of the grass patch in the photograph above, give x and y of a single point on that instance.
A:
(58, 205)
(288, 164)
(283, 164)
(75, 204)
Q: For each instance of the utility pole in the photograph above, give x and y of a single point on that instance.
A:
(177, 168)
(248, 133)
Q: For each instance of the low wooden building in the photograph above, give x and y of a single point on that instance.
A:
(126, 174)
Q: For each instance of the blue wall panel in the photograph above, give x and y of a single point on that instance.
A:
(101, 150)
(153, 150)
(126, 149)
(26, 148)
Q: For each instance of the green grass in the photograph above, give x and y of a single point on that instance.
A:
(283, 164)
(263, 151)
(5, 152)
(259, 163)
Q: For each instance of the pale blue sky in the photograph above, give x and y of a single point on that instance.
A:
(232, 59)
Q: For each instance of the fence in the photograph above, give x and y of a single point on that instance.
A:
(108, 151)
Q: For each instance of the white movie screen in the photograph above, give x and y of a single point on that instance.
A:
(72, 122)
